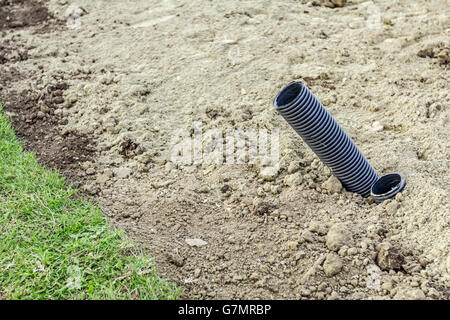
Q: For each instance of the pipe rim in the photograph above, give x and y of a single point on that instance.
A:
(388, 186)
(287, 95)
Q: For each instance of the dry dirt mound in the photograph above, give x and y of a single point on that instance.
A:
(134, 72)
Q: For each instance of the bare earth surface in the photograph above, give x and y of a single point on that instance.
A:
(98, 88)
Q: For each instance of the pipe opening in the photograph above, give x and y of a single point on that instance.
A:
(287, 94)
(388, 186)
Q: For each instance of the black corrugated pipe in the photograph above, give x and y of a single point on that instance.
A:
(315, 125)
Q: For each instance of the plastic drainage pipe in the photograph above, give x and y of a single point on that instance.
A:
(315, 125)
(388, 186)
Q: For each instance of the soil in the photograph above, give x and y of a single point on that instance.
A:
(101, 95)
(37, 114)
(15, 14)
(37, 121)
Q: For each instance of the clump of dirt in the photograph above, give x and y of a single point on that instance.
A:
(9, 75)
(440, 53)
(4, 50)
(129, 148)
(329, 3)
(10, 52)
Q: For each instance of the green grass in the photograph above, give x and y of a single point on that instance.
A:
(54, 245)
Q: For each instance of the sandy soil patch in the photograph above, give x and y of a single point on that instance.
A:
(134, 72)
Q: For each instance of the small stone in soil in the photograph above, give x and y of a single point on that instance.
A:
(389, 257)
(332, 185)
(175, 259)
(196, 242)
(337, 236)
(332, 265)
